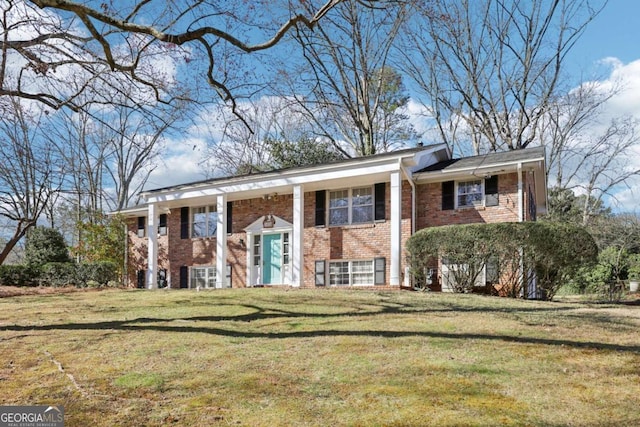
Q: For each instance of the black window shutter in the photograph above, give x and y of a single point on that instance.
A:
(448, 195)
(379, 265)
(379, 214)
(229, 220)
(184, 277)
(142, 278)
(321, 204)
(184, 223)
(491, 191)
(320, 273)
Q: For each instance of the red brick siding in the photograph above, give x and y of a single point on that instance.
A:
(430, 213)
(364, 241)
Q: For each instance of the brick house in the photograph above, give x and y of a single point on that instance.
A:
(339, 224)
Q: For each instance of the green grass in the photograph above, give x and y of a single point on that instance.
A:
(261, 357)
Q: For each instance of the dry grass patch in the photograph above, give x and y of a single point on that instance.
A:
(307, 357)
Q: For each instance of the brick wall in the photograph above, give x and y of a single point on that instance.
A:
(353, 242)
(430, 213)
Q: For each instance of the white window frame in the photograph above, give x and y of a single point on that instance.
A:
(351, 273)
(209, 277)
(481, 280)
(350, 205)
(208, 211)
(480, 203)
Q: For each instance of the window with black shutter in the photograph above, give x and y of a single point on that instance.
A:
(491, 191)
(379, 214)
(448, 195)
(162, 225)
(142, 222)
(321, 204)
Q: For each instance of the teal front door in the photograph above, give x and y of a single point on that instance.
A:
(272, 259)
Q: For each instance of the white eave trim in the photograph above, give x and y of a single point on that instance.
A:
(287, 179)
(478, 171)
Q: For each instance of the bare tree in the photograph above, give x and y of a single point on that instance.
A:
(239, 149)
(494, 65)
(54, 51)
(134, 145)
(345, 83)
(30, 172)
(589, 152)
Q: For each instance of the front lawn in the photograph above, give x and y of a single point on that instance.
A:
(268, 357)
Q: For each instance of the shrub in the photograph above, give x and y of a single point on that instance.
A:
(19, 275)
(633, 270)
(554, 252)
(45, 245)
(59, 274)
(100, 273)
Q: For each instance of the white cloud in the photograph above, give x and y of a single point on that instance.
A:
(182, 163)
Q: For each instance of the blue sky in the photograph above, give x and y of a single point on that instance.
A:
(614, 33)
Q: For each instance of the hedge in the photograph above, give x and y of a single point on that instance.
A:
(60, 274)
(19, 275)
(553, 251)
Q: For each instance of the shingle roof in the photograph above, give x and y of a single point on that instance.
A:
(277, 171)
(513, 156)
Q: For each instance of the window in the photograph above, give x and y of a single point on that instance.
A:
(362, 205)
(339, 207)
(204, 221)
(203, 277)
(142, 222)
(354, 206)
(361, 273)
(464, 194)
(256, 251)
(285, 249)
(351, 273)
(470, 193)
(162, 278)
(162, 225)
(339, 273)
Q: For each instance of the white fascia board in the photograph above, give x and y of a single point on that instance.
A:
(475, 171)
(272, 183)
(132, 212)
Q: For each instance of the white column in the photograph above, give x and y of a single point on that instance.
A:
(396, 228)
(152, 247)
(221, 242)
(297, 249)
